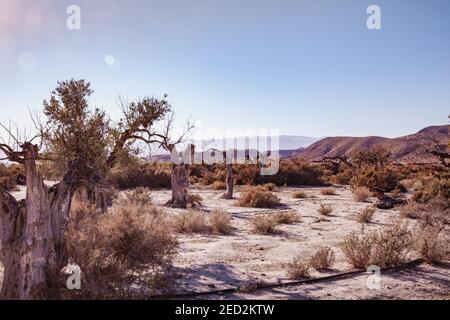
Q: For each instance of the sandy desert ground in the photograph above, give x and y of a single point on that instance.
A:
(243, 258)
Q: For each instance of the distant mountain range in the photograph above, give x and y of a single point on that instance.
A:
(409, 149)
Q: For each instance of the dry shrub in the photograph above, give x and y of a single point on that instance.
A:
(220, 222)
(270, 186)
(300, 195)
(328, 192)
(374, 178)
(11, 176)
(358, 249)
(257, 197)
(298, 268)
(434, 189)
(194, 201)
(122, 253)
(323, 259)
(264, 224)
(386, 248)
(365, 215)
(286, 217)
(295, 172)
(140, 174)
(191, 222)
(325, 209)
(432, 243)
(361, 194)
(219, 185)
(139, 196)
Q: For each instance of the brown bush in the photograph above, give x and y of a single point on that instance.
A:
(325, 209)
(432, 243)
(361, 194)
(373, 178)
(300, 195)
(365, 215)
(191, 222)
(322, 259)
(139, 196)
(140, 174)
(328, 192)
(386, 248)
(286, 217)
(219, 185)
(270, 186)
(298, 268)
(220, 222)
(392, 245)
(357, 249)
(264, 224)
(125, 252)
(11, 176)
(257, 197)
(194, 200)
(434, 189)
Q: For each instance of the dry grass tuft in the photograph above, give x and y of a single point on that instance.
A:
(298, 268)
(219, 185)
(361, 194)
(220, 222)
(358, 249)
(323, 259)
(286, 217)
(264, 224)
(365, 215)
(300, 195)
(191, 222)
(328, 192)
(258, 198)
(325, 209)
(270, 186)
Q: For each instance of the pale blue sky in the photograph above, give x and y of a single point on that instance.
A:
(304, 67)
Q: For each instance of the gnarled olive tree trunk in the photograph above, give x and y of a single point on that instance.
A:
(33, 246)
(180, 177)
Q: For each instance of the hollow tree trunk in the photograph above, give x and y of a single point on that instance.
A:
(229, 192)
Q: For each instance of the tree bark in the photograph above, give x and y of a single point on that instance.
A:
(229, 191)
(28, 244)
(33, 230)
(180, 184)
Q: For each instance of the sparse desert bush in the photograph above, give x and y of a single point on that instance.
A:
(386, 248)
(392, 245)
(432, 189)
(325, 209)
(219, 185)
(328, 192)
(361, 194)
(322, 259)
(11, 176)
(140, 196)
(220, 222)
(257, 197)
(194, 200)
(358, 249)
(432, 243)
(270, 186)
(300, 195)
(140, 174)
(286, 217)
(374, 178)
(298, 268)
(191, 222)
(123, 253)
(365, 215)
(264, 224)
